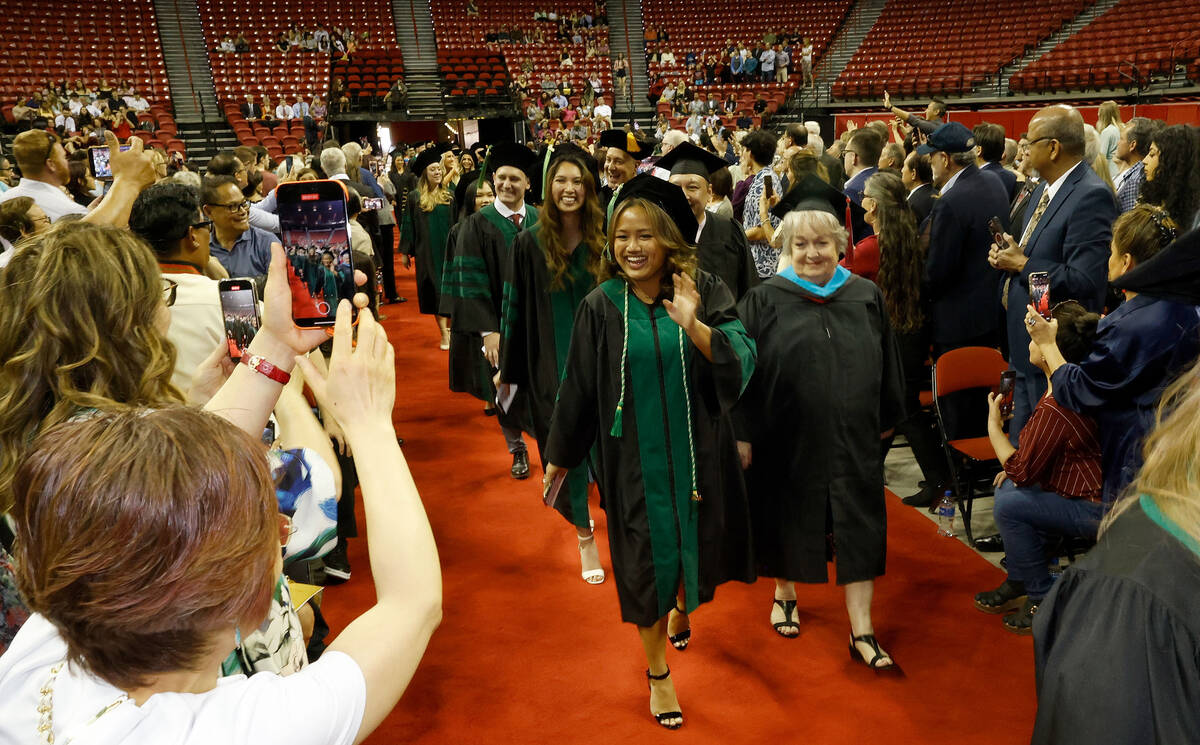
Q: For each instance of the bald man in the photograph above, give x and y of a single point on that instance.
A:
(1066, 233)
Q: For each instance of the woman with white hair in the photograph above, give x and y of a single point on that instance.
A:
(826, 389)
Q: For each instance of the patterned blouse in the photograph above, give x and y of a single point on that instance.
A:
(766, 259)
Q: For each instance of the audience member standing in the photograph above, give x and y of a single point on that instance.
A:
(759, 149)
(861, 159)
(1135, 140)
(960, 287)
(1172, 166)
(989, 144)
(243, 250)
(1067, 235)
(1109, 126)
(44, 173)
(917, 175)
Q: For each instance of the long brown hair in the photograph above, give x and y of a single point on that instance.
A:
(431, 197)
(1171, 471)
(591, 224)
(901, 258)
(77, 331)
(681, 257)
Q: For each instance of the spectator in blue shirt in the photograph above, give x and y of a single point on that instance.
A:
(244, 251)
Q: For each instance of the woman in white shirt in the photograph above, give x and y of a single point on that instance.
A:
(177, 547)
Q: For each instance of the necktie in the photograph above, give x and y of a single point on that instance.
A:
(1037, 216)
(516, 219)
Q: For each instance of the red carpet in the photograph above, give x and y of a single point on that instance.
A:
(528, 653)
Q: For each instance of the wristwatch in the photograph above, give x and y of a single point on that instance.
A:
(260, 365)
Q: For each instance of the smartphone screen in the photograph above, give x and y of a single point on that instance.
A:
(1039, 293)
(1008, 380)
(316, 238)
(372, 203)
(239, 307)
(997, 229)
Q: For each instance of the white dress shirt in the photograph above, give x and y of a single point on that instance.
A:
(52, 199)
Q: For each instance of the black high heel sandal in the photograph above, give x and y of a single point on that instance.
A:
(789, 608)
(879, 654)
(681, 640)
(664, 716)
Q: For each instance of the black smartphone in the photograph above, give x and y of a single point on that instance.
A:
(1039, 293)
(372, 203)
(1008, 381)
(769, 187)
(98, 158)
(239, 308)
(316, 238)
(997, 229)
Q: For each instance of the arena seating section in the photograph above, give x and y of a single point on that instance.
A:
(369, 74)
(479, 75)
(455, 30)
(938, 47)
(1166, 33)
(47, 42)
(266, 70)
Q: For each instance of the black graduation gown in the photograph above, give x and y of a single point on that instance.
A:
(473, 289)
(724, 251)
(424, 236)
(660, 536)
(1116, 642)
(827, 384)
(536, 325)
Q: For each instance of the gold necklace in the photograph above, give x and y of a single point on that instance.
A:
(45, 707)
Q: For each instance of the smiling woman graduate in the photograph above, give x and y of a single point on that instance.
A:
(657, 359)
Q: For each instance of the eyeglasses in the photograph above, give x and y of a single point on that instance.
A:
(242, 206)
(202, 225)
(50, 143)
(1034, 142)
(168, 290)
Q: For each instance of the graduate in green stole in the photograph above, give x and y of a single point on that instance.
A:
(553, 267)
(473, 289)
(657, 360)
(424, 230)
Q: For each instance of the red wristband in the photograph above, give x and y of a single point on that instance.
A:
(260, 365)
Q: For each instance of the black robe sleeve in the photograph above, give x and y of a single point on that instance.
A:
(478, 276)
(573, 427)
(517, 332)
(445, 298)
(733, 351)
(750, 312)
(747, 273)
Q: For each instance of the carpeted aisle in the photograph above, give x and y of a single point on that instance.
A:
(528, 653)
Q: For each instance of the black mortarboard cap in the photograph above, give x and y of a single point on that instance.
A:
(626, 141)
(428, 157)
(811, 193)
(667, 196)
(1171, 274)
(510, 154)
(686, 158)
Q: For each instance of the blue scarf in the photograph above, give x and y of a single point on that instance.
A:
(839, 278)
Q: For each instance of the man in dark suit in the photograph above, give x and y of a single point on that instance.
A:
(918, 179)
(251, 110)
(989, 146)
(721, 244)
(1066, 234)
(959, 285)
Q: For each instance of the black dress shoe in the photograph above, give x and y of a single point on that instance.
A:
(989, 543)
(924, 498)
(520, 466)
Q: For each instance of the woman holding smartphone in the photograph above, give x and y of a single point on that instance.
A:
(657, 358)
(424, 230)
(554, 265)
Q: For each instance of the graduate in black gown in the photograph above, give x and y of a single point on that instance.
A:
(657, 359)
(424, 229)
(1117, 639)
(827, 388)
(721, 243)
(623, 152)
(473, 290)
(553, 266)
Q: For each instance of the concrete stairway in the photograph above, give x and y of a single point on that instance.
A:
(626, 35)
(414, 31)
(859, 23)
(186, 56)
(998, 85)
